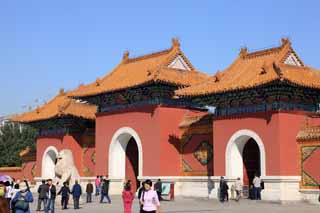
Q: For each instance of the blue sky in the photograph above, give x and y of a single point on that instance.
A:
(47, 45)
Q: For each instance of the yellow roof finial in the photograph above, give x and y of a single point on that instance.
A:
(98, 82)
(125, 56)
(61, 91)
(175, 42)
(285, 40)
(243, 51)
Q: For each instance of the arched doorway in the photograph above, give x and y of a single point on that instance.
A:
(48, 162)
(132, 162)
(251, 161)
(242, 156)
(125, 156)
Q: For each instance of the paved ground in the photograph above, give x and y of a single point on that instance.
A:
(188, 205)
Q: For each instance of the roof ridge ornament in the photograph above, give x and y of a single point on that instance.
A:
(125, 56)
(61, 92)
(278, 70)
(175, 42)
(63, 106)
(285, 41)
(98, 82)
(217, 76)
(149, 72)
(263, 69)
(243, 52)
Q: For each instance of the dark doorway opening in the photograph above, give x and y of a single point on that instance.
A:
(251, 162)
(132, 164)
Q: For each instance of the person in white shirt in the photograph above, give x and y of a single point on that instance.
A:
(238, 188)
(256, 187)
(8, 194)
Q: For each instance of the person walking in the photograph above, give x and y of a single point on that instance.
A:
(98, 185)
(64, 192)
(51, 195)
(22, 198)
(140, 192)
(42, 198)
(89, 191)
(223, 190)
(256, 187)
(15, 190)
(9, 190)
(127, 197)
(105, 191)
(158, 188)
(238, 188)
(76, 193)
(149, 199)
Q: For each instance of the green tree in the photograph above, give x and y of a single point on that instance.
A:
(13, 139)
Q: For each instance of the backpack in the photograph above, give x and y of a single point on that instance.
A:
(22, 204)
(2, 191)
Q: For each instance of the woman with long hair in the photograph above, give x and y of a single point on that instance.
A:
(127, 197)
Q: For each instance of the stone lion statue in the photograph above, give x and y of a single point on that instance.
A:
(65, 168)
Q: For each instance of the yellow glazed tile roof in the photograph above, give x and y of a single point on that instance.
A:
(250, 70)
(154, 67)
(59, 106)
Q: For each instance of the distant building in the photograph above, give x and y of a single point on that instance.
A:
(6, 119)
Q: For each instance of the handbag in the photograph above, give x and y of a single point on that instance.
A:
(21, 204)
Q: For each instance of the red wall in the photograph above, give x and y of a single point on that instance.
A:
(170, 158)
(188, 155)
(15, 172)
(154, 125)
(28, 170)
(278, 131)
(144, 121)
(72, 142)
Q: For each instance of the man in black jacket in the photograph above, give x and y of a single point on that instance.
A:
(158, 188)
(42, 191)
(140, 194)
(64, 191)
(223, 190)
(51, 197)
(105, 191)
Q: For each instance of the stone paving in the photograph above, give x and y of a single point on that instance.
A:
(190, 205)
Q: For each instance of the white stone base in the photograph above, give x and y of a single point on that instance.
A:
(192, 186)
(277, 188)
(310, 196)
(116, 186)
(281, 188)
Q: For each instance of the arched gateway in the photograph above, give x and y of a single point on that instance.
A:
(48, 162)
(245, 156)
(125, 156)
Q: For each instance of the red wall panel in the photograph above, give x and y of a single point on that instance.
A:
(278, 131)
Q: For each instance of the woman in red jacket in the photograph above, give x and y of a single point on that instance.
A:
(127, 196)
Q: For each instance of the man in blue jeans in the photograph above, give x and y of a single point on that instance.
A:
(76, 193)
(51, 197)
(256, 187)
(105, 191)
